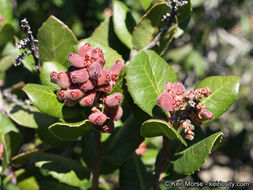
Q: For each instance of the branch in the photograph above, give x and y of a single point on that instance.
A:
(97, 162)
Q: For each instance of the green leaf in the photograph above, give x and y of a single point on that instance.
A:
(6, 10)
(23, 157)
(6, 126)
(146, 75)
(6, 62)
(225, 91)
(193, 157)
(145, 4)
(134, 175)
(61, 168)
(70, 131)
(47, 68)
(156, 127)
(44, 98)
(6, 33)
(150, 24)
(123, 23)
(56, 41)
(28, 116)
(110, 55)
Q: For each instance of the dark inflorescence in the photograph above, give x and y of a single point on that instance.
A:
(184, 108)
(88, 83)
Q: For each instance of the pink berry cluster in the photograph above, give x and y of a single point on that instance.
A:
(88, 83)
(184, 108)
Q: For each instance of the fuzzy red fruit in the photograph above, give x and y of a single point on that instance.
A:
(116, 68)
(88, 85)
(53, 77)
(97, 118)
(61, 95)
(114, 99)
(96, 53)
(105, 88)
(101, 60)
(166, 102)
(105, 77)
(108, 127)
(63, 80)
(74, 94)
(204, 115)
(79, 76)
(76, 60)
(88, 99)
(95, 70)
(114, 113)
(179, 87)
(85, 51)
(167, 87)
(70, 103)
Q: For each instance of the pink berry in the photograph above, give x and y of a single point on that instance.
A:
(105, 77)
(63, 80)
(166, 102)
(179, 87)
(97, 118)
(108, 127)
(96, 53)
(79, 76)
(74, 94)
(88, 85)
(53, 77)
(88, 99)
(70, 103)
(167, 87)
(100, 60)
(204, 115)
(85, 51)
(114, 99)
(61, 95)
(115, 113)
(116, 68)
(105, 88)
(76, 60)
(95, 70)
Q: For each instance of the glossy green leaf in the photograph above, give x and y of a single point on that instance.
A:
(23, 157)
(110, 55)
(56, 41)
(28, 116)
(6, 33)
(6, 62)
(146, 75)
(6, 126)
(134, 175)
(47, 68)
(70, 131)
(156, 127)
(225, 91)
(123, 23)
(6, 10)
(61, 168)
(44, 98)
(145, 4)
(192, 158)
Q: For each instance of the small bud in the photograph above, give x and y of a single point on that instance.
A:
(88, 99)
(167, 87)
(116, 68)
(79, 76)
(74, 94)
(70, 103)
(95, 70)
(76, 60)
(166, 102)
(105, 77)
(61, 95)
(108, 127)
(190, 132)
(88, 85)
(105, 88)
(97, 118)
(141, 149)
(63, 80)
(96, 53)
(53, 77)
(101, 60)
(190, 137)
(204, 115)
(178, 87)
(85, 51)
(115, 113)
(114, 99)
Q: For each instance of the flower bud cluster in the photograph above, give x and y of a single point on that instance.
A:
(88, 83)
(184, 108)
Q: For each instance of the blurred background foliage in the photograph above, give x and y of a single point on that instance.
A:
(217, 41)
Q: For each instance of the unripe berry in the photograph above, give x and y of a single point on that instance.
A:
(79, 76)
(108, 127)
(76, 60)
(114, 99)
(105, 77)
(70, 103)
(88, 85)
(85, 51)
(204, 115)
(105, 88)
(166, 102)
(63, 80)
(88, 99)
(61, 95)
(74, 94)
(97, 118)
(53, 77)
(115, 113)
(116, 68)
(95, 70)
